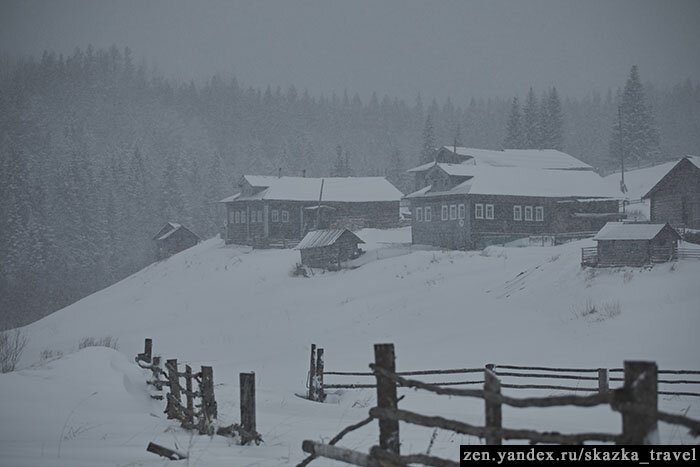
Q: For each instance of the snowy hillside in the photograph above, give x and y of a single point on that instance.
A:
(242, 310)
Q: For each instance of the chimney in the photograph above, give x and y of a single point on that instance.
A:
(303, 173)
(279, 172)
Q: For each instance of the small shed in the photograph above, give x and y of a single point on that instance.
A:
(635, 244)
(173, 238)
(328, 247)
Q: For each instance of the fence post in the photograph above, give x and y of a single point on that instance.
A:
(312, 373)
(156, 382)
(208, 402)
(492, 386)
(386, 397)
(147, 350)
(247, 382)
(172, 407)
(189, 416)
(640, 390)
(603, 380)
(320, 395)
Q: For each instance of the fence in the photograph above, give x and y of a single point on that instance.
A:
(515, 376)
(202, 416)
(636, 400)
(589, 255)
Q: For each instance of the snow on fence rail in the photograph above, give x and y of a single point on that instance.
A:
(202, 416)
(636, 400)
(317, 383)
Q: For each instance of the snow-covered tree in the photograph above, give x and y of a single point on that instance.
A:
(427, 152)
(514, 127)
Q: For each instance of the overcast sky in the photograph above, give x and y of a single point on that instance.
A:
(399, 47)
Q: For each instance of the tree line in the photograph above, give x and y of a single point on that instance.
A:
(97, 152)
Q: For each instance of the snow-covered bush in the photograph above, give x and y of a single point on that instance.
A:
(108, 341)
(12, 345)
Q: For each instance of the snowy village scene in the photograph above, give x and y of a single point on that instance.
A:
(334, 232)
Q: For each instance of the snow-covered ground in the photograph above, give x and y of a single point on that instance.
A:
(241, 310)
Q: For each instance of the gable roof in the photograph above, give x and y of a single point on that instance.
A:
(324, 237)
(627, 231)
(169, 229)
(693, 162)
(550, 159)
(338, 189)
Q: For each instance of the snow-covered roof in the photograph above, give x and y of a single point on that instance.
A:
(510, 181)
(458, 170)
(624, 231)
(324, 237)
(525, 158)
(230, 198)
(694, 160)
(337, 189)
(169, 229)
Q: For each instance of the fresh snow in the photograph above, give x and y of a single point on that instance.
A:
(627, 231)
(240, 309)
(523, 158)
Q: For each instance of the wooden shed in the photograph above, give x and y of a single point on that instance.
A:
(173, 238)
(676, 197)
(633, 244)
(328, 247)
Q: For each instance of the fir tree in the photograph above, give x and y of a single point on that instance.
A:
(552, 123)
(427, 153)
(514, 131)
(531, 122)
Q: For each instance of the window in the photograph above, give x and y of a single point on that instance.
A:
(285, 216)
(243, 217)
(489, 211)
(275, 215)
(236, 217)
(539, 214)
(528, 213)
(479, 211)
(462, 211)
(419, 214)
(428, 214)
(517, 213)
(253, 217)
(453, 212)
(260, 218)
(444, 212)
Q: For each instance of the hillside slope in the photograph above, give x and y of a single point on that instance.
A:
(242, 310)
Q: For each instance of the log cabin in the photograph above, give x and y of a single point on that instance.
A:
(676, 197)
(269, 210)
(173, 238)
(328, 248)
(632, 244)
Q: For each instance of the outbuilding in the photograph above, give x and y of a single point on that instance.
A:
(328, 248)
(173, 238)
(676, 197)
(632, 244)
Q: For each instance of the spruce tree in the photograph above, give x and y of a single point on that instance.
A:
(638, 139)
(427, 153)
(514, 130)
(552, 123)
(531, 122)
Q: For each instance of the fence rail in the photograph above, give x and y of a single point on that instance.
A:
(636, 401)
(512, 376)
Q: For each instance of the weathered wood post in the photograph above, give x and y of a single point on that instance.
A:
(312, 373)
(147, 350)
(247, 381)
(189, 416)
(603, 380)
(156, 382)
(209, 411)
(386, 397)
(640, 390)
(172, 407)
(320, 394)
(492, 386)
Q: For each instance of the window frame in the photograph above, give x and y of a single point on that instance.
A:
(427, 214)
(285, 216)
(275, 215)
(419, 214)
(244, 217)
(517, 213)
(453, 212)
(461, 211)
(478, 210)
(236, 217)
(539, 213)
(486, 211)
(445, 213)
(527, 218)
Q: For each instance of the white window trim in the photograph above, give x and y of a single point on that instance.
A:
(285, 216)
(478, 211)
(419, 214)
(275, 215)
(539, 214)
(517, 213)
(445, 212)
(253, 217)
(486, 211)
(461, 211)
(528, 209)
(453, 212)
(428, 216)
(244, 218)
(236, 217)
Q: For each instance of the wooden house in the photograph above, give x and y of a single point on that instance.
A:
(328, 247)
(274, 209)
(173, 238)
(467, 206)
(632, 244)
(676, 197)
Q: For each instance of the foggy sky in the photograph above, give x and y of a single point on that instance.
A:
(398, 47)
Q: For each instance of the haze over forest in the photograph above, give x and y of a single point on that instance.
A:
(116, 117)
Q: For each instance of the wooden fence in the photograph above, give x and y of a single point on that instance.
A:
(201, 416)
(674, 382)
(589, 255)
(636, 401)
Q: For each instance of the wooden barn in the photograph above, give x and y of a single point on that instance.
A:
(173, 238)
(271, 210)
(328, 248)
(469, 206)
(631, 244)
(676, 197)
